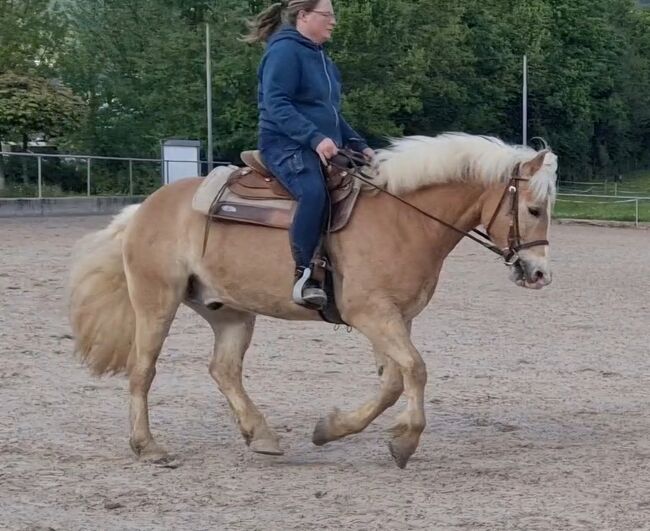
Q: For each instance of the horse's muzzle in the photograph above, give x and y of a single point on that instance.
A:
(530, 275)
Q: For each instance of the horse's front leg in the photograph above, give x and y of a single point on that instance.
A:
(389, 334)
(338, 424)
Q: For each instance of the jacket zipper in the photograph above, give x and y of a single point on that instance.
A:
(329, 82)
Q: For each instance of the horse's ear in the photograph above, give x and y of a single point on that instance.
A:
(530, 168)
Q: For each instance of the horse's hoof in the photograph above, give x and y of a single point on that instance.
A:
(326, 430)
(154, 454)
(320, 435)
(401, 449)
(266, 447)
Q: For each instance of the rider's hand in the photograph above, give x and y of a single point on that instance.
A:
(369, 153)
(326, 150)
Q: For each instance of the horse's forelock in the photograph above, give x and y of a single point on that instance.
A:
(543, 183)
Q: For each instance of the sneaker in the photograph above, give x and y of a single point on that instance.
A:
(306, 291)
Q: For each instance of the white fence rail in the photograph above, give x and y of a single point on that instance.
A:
(606, 188)
(595, 199)
(593, 193)
(154, 167)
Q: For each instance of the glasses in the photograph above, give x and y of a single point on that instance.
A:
(326, 14)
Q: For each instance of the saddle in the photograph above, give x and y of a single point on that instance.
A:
(251, 194)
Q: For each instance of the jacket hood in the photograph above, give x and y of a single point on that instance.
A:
(289, 32)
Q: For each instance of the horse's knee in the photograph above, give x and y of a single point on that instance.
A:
(224, 372)
(392, 383)
(393, 389)
(417, 370)
(140, 377)
(418, 424)
(216, 370)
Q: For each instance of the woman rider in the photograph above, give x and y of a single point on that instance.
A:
(300, 122)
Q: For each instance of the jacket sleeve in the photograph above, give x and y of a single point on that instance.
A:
(280, 81)
(351, 138)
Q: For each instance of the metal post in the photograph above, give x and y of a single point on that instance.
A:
(208, 86)
(525, 103)
(88, 177)
(636, 219)
(40, 178)
(130, 177)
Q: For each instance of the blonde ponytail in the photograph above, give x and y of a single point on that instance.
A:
(269, 21)
(265, 24)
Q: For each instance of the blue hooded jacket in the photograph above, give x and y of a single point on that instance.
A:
(299, 94)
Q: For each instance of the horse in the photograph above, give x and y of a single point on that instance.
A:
(128, 280)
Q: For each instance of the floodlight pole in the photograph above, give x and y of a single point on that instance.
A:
(208, 90)
(525, 103)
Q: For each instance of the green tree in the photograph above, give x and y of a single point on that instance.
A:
(31, 35)
(409, 67)
(32, 106)
(575, 93)
(140, 67)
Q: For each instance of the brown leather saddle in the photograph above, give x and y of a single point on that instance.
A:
(251, 195)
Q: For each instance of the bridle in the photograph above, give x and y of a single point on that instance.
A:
(353, 162)
(511, 252)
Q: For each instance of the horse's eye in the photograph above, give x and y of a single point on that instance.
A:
(534, 211)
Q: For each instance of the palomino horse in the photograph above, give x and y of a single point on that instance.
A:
(128, 280)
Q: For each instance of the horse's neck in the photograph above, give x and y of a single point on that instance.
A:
(409, 248)
(458, 204)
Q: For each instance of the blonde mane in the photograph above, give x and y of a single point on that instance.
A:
(414, 162)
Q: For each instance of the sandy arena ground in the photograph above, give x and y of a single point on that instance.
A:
(537, 406)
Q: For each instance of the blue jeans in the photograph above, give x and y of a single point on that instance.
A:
(300, 172)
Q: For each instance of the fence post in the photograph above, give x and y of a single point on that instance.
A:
(40, 177)
(88, 176)
(130, 177)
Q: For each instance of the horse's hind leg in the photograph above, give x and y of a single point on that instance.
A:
(155, 302)
(233, 331)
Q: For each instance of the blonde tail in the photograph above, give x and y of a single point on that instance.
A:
(101, 315)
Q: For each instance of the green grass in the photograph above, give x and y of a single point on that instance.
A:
(635, 184)
(601, 209)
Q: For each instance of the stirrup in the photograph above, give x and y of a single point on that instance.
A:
(310, 296)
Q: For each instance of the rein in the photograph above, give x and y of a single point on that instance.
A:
(354, 161)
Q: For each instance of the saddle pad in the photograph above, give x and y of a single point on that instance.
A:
(276, 213)
(212, 185)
